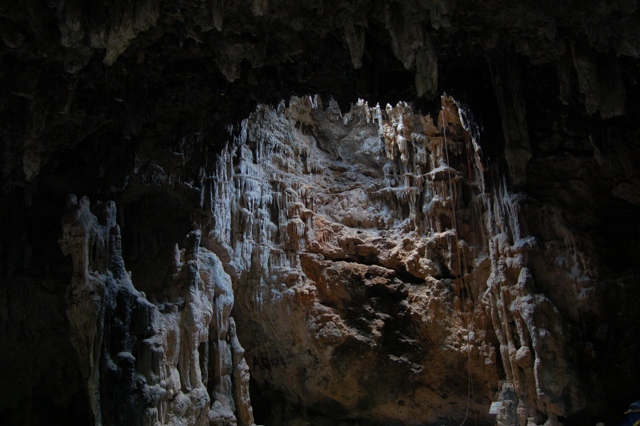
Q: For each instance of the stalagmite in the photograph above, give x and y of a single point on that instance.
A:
(155, 349)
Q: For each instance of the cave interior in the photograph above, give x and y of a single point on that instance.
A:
(134, 103)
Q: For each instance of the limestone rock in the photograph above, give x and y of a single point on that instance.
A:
(344, 258)
(354, 254)
(175, 360)
(133, 101)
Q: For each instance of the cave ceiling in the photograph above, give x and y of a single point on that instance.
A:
(135, 72)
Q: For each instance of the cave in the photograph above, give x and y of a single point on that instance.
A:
(319, 213)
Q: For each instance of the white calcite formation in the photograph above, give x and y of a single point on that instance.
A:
(379, 273)
(175, 360)
(376, 271)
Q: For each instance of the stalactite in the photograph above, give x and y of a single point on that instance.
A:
(411, 218)
(282, 211)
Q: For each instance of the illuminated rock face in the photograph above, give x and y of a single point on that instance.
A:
(174, 361)
(357, 291)
(377, 276)
(378, 267)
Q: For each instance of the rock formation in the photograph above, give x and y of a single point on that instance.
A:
(366, 248)
(173, 360)
(342, 262)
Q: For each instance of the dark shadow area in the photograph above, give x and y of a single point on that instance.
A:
(41, 381)
(151, 225)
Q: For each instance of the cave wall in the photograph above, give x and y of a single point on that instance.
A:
(133, 102)
(171, 357)
(371, 249)
(338, 230)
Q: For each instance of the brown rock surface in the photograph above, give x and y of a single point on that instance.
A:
(132, 103)
(342, 242)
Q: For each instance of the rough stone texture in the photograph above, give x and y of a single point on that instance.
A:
(175, 360)
(69, 62)
(366, 249)
(131, 101)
